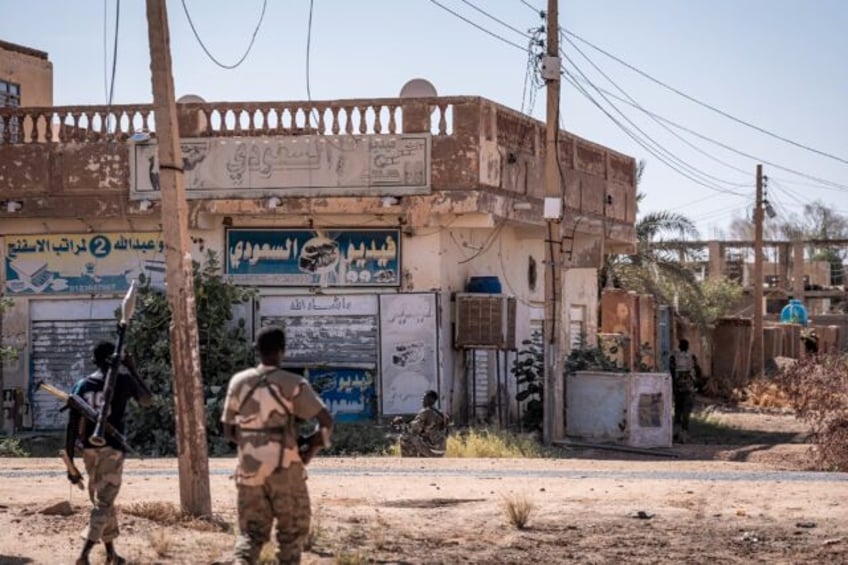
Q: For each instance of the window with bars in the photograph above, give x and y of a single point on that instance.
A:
(10, 97)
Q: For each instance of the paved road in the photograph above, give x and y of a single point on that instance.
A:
(390, 471)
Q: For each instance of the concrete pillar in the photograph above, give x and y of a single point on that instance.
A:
(716, 258)
(783, 252)
(798, 270)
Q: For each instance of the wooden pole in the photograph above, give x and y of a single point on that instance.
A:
(553, 425)
(757, 361)
(185, 351)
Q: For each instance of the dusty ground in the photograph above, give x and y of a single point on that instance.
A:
(742, 492)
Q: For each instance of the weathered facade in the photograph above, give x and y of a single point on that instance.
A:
(358, 220)
(26, 76)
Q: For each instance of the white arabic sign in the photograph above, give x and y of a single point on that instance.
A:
(307, 165)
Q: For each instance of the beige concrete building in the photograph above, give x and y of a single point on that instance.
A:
(26, 76)
(359, 221)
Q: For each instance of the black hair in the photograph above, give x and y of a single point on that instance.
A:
(270, 340)
(684, 345)
(103, 351)
(431, 394)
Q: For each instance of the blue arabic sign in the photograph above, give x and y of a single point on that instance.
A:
(83, 263)
(349, 394)
(280, 257)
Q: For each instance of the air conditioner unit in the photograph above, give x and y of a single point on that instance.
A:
(484, 321)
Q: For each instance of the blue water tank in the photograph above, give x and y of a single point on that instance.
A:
(484, 285)
(794, 313)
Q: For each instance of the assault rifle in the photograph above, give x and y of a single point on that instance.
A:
(84, 409)
(127, 307)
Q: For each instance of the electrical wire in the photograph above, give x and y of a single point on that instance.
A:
(478, 26)
(658, 150)
(495, 18)
(661, 124)
(820, 182)
(532, 7)
(209, 54)
(110, 92)
(309, 50)
(705, 104)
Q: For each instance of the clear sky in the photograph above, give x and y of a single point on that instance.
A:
(779, 64)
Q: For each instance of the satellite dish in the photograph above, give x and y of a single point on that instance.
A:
(190, 99)
(418, 88)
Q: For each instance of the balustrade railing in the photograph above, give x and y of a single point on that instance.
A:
(92, 124)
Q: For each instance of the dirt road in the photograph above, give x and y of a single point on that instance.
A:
(450, 511)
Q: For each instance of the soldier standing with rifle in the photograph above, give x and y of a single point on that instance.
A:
(99, 427)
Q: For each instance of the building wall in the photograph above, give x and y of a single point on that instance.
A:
(31, 70)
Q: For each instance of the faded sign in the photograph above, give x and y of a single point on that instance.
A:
(83, 263)
(348, 393)
(409, 342)
(304, 165)
(281, 257)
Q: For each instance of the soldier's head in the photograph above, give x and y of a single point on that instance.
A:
(270, 345)
(103, 352)
(430, 398)
(684, 345)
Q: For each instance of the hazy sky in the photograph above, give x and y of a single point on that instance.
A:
(779, 64)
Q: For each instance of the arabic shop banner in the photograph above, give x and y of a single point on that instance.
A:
(301, 165)
(279, 257)
(83, 263)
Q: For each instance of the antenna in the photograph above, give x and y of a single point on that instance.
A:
(418, 88)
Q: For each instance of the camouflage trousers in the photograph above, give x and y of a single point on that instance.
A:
(415, 446)
(104, 466)
(283, 497)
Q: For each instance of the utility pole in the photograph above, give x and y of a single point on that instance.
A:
(185, 351)
(553, 427)
(757, 360)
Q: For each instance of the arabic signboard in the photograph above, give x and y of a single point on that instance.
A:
(280, 257)
(348, 393)
(408, 350)
(83, 263)
(303, 165)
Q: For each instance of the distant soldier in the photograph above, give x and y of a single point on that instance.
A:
(684, 374)
(426, 434)
(104, 465)
(260, 414)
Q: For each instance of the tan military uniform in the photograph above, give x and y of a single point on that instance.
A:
(426, 435)
(263, 403)
(104, 466)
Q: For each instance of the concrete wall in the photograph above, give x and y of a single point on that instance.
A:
(31, 70)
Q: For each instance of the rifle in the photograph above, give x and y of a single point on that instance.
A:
(127, 307)
(84, 409)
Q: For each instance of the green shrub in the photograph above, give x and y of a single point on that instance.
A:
(11, 447)
(360, 438)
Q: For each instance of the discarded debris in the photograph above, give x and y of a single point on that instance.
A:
(832, 541)
(805, 525)
(642, 515)
(63, 508)
(751, 537)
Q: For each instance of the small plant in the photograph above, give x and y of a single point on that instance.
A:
(817, 387)
(492, 444)
(529, 372)
(161, 541)
(167, 514)
(518, 509)
(586, 358)
(354, 438)
(11, 447)
(355, 558)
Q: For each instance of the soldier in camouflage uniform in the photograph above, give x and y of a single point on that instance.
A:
(260, 413)
(103, 465)
(685, 373)
(426, 434)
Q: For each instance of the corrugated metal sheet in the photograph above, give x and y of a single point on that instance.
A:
(61, 354)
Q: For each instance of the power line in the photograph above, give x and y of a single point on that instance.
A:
(495, 18)
(309, 50)
(478, 26)
(209, 54)
(705, 104)
(532, 7)
(652, 146)
(668, 129)
(821, 183)
(115, 52)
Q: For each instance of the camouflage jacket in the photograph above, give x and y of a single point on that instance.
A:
(431, 426)
(264, 403)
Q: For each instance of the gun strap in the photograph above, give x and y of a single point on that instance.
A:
(263, 381)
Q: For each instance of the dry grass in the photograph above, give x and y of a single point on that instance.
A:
(764, 393)
(167, 514)
(161, 542)
(486, 443)
(268, 555)
(352, 558)
(518, 509)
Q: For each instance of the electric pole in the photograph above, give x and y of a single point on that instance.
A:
(553, 427)
(757, 360)
(185, 351)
